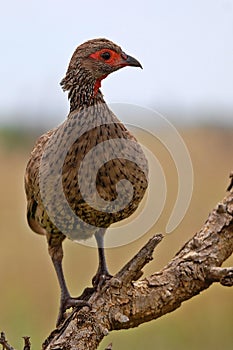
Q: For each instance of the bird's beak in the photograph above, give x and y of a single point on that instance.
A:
(131, 61)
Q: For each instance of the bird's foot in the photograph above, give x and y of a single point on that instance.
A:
(67, 303)
(100, 279)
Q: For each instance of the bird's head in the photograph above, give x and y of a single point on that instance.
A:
(96, 59)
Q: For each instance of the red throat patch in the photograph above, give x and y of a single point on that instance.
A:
(97, 85)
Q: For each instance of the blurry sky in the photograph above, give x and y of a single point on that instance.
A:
(185, 47)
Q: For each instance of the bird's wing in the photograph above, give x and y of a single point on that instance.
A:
(31, 217)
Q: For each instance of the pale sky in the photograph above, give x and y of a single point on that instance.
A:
(185, 47)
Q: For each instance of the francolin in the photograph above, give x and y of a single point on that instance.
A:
(118, 159)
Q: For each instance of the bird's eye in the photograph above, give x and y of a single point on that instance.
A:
(106, 55)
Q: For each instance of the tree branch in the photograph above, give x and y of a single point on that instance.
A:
(222, 275)
(7, 346)
(125, 302)
(4, 342)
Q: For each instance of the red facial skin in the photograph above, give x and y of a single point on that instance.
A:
(115, 60)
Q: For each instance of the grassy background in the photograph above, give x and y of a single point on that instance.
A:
(29, 290)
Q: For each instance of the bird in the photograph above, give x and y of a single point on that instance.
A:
(58, 155)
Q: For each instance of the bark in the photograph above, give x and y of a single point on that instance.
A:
(125, 301)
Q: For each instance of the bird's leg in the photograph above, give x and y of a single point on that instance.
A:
(66, 301)
(102, 272)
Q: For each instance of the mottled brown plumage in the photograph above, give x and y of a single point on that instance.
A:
(90, 125)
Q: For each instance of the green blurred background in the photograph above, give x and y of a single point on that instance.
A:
(186, 50)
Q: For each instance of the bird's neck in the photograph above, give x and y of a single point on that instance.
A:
(84, 95)
(83, 89)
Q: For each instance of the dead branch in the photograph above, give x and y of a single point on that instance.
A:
(4, 342)
(126, 302)
(7, 346)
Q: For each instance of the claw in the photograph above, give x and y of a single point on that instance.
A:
(68, 303)
(100, 278)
